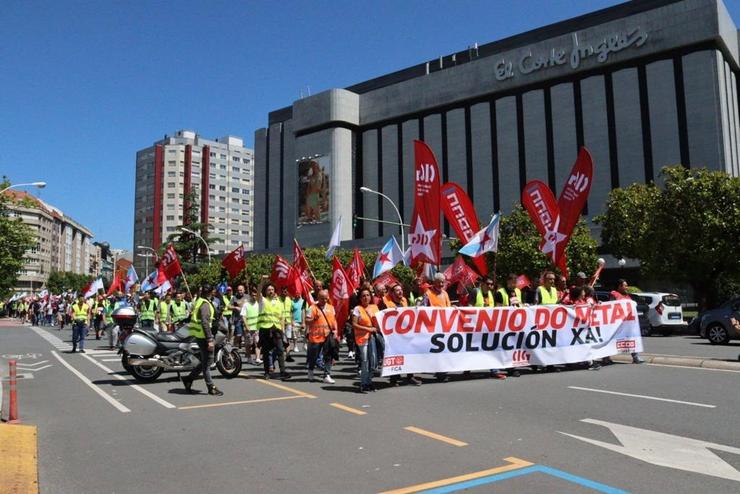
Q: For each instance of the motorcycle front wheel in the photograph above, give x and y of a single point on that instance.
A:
(145, 373)
(229, 363)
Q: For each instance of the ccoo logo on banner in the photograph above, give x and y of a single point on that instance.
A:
(432, 339)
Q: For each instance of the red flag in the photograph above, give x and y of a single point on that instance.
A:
(573, 198)
(386, 279)
(169, 264)
(355, 270)
(539, 202)
(522, 281)
(115, 285)
(300, 263)
(235, 262)
(339, 294)
(425, 236)
(281, 272)
(459, 211)
(459, 272)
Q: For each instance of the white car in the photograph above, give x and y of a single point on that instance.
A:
(665, 314)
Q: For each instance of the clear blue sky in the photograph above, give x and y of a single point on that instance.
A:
(83, 85)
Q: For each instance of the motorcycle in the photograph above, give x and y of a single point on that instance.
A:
(146, 354)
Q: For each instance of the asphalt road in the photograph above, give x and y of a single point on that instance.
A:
(669, 430)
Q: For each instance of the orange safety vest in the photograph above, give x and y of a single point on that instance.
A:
(366, 319)
(389, 303)
(441, 300)
(321, 323)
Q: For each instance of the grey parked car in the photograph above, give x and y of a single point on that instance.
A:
(722, 324)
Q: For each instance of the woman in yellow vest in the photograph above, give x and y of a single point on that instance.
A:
(271, 325)
(250, 314)
(80, 322)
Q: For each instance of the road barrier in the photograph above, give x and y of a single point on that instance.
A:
(13, 404)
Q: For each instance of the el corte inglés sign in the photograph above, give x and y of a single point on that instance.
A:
(531, 62)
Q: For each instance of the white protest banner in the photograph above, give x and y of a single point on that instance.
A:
(433, 339)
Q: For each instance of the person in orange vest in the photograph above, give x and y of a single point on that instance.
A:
(320, 321)
(437, 296)
(365, 326)
(395, 298)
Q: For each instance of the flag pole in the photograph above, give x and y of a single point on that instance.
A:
(186, 283)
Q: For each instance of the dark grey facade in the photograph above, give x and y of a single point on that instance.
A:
(642, 85)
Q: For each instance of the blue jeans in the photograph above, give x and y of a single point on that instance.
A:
(79, 331)
(366, 376)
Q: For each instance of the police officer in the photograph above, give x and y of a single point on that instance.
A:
(200, 329)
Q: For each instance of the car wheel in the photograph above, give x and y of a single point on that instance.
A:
(717, 335)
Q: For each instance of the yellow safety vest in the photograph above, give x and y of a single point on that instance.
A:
(179, 312)
(80, 313)
(163, 310)
(253, 316)
(481, 302)
(107, 312)
(195, 327)
(272, 313)
(288, 310)
(548, 298)
(505, 296)
(227, 305)
(147, 313)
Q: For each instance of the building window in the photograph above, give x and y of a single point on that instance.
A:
(245, 202)
(212, 176)
(235, 190)
(236, 169)
(171, 185)
(171, 217)
(171, 173)
(211, 187)
(212, 197)
(245, 191)
(236, 159)
(222, 167)
(170, 195)
(213, 155)
(235, 200)
(223, 156)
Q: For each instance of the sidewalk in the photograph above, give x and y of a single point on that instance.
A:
(19, 472)
(682, 361)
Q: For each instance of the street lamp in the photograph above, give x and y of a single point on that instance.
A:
(196, 234)
(400, 220)
(147, 256)
(40, 185)
(146, 261)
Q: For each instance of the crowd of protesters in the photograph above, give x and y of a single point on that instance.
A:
(270, 326)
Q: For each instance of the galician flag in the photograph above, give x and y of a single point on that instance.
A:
(93, 287)
(131, 277)
(151, 282)
(389, 256)
(484, 241)
(335, 239)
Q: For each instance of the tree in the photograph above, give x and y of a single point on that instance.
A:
(61, 281)
(519, 252)
(190, 248)
(686, 231)
(15, 239)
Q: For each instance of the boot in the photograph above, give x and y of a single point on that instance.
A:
(213, 390)
(188, 383)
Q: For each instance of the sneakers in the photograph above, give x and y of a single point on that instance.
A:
(82, 350)
(289, 358)
(637, 360)
(213, 390)
(595, 366)
(351, 356)
(328, 379)
(267, 376)
(310, 376)
(285, 376)
(362, 389)
(414, 380)
(515, 373)
(258, 361)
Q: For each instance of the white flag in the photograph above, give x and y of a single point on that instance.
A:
(335, 239)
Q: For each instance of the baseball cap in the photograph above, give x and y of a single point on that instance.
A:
(581, 274)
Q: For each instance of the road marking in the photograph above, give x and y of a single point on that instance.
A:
(666, 450)
(246, 402)
(19, 458)
(135, 386)
(694, 368)
(20, 356)
(33, 364)
(514, 464)
(92, 386)
(348, 409)
(110, 359)
(645, 397)
(438, 437)
(286, 388)
(31, 369)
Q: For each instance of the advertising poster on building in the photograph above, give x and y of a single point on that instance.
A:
(313, 191)
(432, 339)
